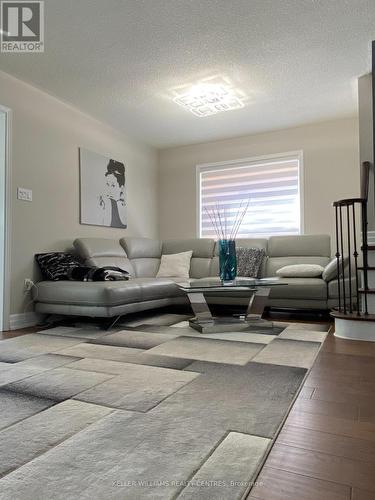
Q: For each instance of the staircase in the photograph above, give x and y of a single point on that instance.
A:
(355, 314)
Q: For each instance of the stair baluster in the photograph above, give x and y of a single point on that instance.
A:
(350, 260)
(355, 254)
(342, 260)
(365, 255)
(338, 255)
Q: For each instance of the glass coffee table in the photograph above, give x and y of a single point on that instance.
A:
(258, 291)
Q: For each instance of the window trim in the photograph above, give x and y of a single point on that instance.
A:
(222, 165)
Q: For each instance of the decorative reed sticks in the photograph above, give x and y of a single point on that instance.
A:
(224, 229)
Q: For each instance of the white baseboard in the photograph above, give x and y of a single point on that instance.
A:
(354, 330)
(23, 320)
(371, 237)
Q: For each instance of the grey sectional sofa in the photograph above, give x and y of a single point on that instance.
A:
(141, 258)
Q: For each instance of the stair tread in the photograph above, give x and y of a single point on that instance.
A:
(353, 316)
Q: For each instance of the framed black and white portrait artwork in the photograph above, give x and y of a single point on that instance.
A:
(102, 190)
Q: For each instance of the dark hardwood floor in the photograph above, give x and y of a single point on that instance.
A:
(326, 448)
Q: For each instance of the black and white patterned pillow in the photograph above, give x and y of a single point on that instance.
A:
(56, 265)
(249, 261)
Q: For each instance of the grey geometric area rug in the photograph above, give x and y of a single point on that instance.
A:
(150, 410)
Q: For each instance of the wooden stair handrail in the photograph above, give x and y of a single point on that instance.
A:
(348, 202)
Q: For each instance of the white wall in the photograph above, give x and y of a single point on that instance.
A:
(331, 156)
(366, 139)
(46, 134)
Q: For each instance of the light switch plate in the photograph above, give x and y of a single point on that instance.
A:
(24, 194)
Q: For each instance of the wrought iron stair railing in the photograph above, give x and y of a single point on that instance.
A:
(352, 302)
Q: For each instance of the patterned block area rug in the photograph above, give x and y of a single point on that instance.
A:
(151, 410)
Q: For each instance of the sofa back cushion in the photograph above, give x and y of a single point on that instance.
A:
(261, 243)
(302, 249)
(102, 252)
(203, 250)
(144, 254)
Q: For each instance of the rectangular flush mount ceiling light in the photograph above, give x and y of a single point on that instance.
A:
(209, 96)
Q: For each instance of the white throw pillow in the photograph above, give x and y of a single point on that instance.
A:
(300, 271)
(330, 271)
(175, 265)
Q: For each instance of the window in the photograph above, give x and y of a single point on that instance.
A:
(272, 183)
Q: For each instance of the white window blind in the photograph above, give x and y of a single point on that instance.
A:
(273, 187)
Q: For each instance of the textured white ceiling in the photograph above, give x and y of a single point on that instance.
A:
(116, 59)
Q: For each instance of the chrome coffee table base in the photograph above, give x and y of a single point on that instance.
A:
(204, 322)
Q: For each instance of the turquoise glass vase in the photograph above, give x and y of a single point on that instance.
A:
(227, 260)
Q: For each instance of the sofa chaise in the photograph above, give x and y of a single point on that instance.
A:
(143, 291)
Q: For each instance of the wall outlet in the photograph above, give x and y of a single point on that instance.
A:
(28, 284)
(24, 194)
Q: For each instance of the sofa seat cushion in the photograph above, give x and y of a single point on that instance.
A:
(95, 293)
(300, 288)
(159, 288)
(104, 293)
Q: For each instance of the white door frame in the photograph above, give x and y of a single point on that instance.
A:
(7, 219)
